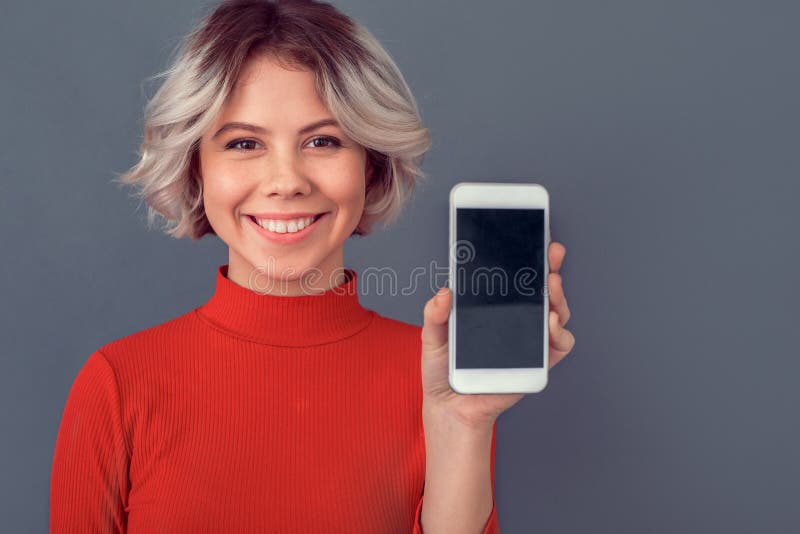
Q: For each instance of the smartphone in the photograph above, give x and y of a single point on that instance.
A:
(497, 329)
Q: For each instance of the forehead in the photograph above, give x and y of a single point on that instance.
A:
(266, 81)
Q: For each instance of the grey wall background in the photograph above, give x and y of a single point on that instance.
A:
(667, 135)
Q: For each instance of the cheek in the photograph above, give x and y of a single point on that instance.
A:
(220, 188)
(351, 189)
(349, 197)
(220, 200)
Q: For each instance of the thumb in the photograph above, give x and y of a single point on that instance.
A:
(436, 314)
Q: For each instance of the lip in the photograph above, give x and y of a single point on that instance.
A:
(287, 237)
(284, 216)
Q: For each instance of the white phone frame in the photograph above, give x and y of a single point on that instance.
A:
(496, 195)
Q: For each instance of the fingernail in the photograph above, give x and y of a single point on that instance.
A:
(442, 292)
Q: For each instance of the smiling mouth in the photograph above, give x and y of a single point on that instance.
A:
(280, 227)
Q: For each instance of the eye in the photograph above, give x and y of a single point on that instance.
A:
(247, 145)
(233, 144)
(333, 142)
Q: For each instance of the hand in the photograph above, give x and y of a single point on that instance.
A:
(483, 409)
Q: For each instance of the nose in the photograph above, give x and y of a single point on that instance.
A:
(284, 179)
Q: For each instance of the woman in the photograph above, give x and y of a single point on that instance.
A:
(281, 404)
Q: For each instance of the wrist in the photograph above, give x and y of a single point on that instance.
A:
(442, 416)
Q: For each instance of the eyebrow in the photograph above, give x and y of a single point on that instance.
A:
(258, 129)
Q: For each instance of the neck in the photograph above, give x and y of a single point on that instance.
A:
(279, 278)
(289, 321)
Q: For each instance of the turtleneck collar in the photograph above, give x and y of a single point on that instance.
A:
(292, 321)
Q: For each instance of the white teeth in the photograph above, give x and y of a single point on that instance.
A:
(283, 226)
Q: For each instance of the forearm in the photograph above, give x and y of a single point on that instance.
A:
(458, 486)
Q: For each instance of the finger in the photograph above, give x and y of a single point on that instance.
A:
(555, 256)
(434, 328)
(554, 357)
(560, 338)
(558, 301)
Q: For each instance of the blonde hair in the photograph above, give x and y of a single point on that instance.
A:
(354, 76)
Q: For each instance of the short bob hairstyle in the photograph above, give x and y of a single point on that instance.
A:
(355, 77)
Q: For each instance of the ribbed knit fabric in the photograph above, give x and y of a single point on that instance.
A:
(250, 413)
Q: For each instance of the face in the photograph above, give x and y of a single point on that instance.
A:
(279, 166)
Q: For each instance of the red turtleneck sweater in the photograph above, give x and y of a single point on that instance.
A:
(250, 413)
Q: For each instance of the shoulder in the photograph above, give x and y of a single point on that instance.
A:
(396, 329)
(147, 343)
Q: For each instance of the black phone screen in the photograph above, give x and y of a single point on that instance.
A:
(498, 261)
